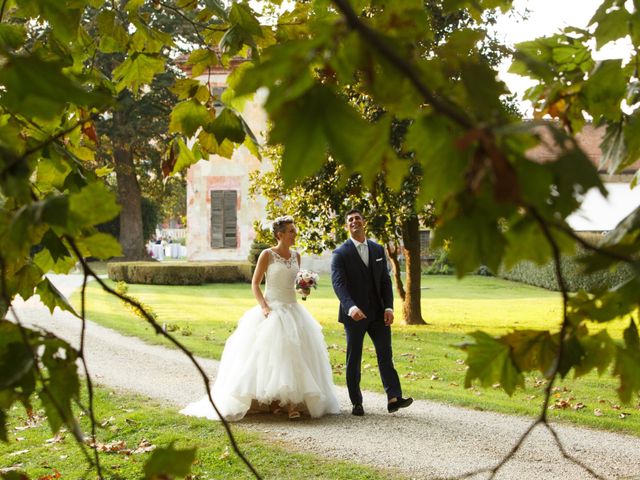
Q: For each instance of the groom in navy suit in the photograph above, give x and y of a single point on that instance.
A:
(361, 281)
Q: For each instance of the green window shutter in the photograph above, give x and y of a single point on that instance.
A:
(224, 228)
(230, 219)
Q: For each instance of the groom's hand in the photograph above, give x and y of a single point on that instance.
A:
(358, 314)
(388, 317)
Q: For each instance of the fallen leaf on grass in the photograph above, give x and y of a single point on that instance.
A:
(108, 421)
(144, 446)
(597, 412)
(19, 452)
(561, 404)
(623, 415)
(53, 476)
(224, 454)
(579, 406)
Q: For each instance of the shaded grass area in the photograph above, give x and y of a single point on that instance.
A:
(129, 421)
(427, 358)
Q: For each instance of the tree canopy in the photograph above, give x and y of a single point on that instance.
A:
(497, 205)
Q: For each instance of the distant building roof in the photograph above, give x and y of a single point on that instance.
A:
(589, 139)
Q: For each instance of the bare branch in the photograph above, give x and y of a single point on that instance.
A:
(570, 457)
(90, 408)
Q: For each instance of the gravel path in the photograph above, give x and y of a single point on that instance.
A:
(427, 440)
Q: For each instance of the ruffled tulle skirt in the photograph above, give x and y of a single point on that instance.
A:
(282, 358)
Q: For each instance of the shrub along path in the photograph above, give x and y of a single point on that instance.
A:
(425, 441)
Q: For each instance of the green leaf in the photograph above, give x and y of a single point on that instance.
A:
(484, 242)
(605, 88)
(45, 261)
(63, 19)
(187, 117)
(630, 335)
(627, 365)
(525, 240)
(101, 245)
(52, 172)
(613, 25)
(433, 140)
(185, 156)
(59, 358)
(227, 125)
(242, 15)
(25, 280)
(92, 205)
(168, 462)
(16, 361)
(113, 36)
(599, 350)
(186, 88)
(490, 362)
(52, 297)
(299, 127)
(217, 8)
(40, 89)
(15, 358)
(532, 350)
(200, 60)
(137, 70)
(11, 36)
(52, 242)
(483, 91)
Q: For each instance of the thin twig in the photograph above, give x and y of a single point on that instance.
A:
(4, 4)
(570, 457)
(90, 409)
(158, 329)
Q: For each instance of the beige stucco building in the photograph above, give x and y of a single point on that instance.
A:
(220, 213)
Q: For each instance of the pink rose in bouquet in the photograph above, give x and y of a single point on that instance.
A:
(305, 279)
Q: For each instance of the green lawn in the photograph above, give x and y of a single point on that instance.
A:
(430, 365)
(132, 420)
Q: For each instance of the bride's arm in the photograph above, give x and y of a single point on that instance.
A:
(258, 275)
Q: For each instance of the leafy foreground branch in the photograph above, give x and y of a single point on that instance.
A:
(58, 377)
(159, 330)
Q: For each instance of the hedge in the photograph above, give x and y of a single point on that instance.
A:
(179, 273)
(544, 275)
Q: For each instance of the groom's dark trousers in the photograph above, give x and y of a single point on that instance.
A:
(368, 288)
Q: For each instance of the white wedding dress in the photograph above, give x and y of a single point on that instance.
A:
(281, 358)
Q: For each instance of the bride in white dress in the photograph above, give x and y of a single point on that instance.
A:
(276, 359)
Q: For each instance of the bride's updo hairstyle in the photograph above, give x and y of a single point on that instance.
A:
(279, 224)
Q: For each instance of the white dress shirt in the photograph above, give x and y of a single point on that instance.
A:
(363, 251)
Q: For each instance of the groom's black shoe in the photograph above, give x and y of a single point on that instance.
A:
(398, 404)
(357, 410)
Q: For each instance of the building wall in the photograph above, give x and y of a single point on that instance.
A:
(219, 173)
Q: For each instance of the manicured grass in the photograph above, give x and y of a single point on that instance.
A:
(426, 357)
(133, 419)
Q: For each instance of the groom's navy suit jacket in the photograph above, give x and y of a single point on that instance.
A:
(368, 288)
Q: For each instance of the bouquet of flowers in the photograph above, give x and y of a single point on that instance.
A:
(305, 279)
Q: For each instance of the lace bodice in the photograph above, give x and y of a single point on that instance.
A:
(281, 277)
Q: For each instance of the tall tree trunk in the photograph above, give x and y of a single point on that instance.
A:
(130, 198)
(392, 252)
(411, 309)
